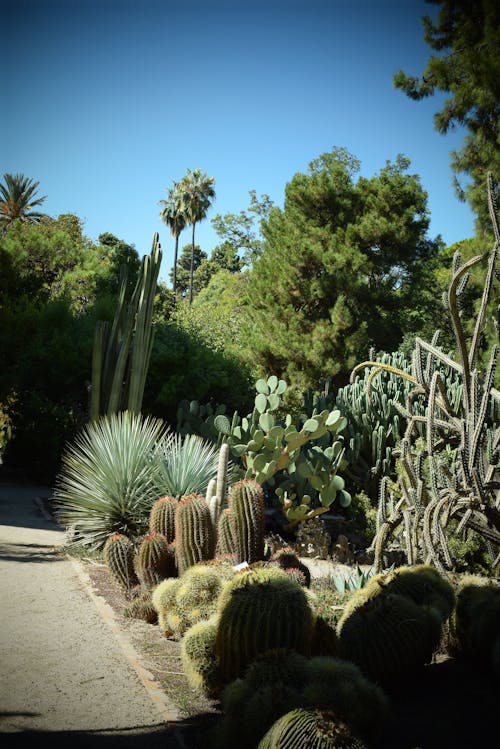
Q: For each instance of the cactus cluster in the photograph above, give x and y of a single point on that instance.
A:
(449, 465)
(281, 679)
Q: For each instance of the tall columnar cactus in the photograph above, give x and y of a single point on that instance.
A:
(122, 354)
(388, 636)
(194, 532)
(154, 560)
(162, 517)
(246, 508)
(449, 457)
(118, 554)
(303, 727)
(260, 609)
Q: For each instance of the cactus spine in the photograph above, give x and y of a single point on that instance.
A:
(118, 554)
(162, 517)
(246, 506)
(225, 540)
(194, 532)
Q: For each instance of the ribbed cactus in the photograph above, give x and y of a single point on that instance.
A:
(246, 507)
(476, 620)
(287, 559)
(197, 657)
(118, 554)
(162, 517)
(318, 729)
(388, 636)
(194, 532)
(280, 680)
(192, 599)
(225, 542)
(423, 584)
(154, 560)
(260, 609)
(142, 608)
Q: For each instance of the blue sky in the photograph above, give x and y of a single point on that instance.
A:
(107, 102)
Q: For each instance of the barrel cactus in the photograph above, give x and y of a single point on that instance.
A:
(197, 657)
(141, 607)
(225, 541)
(261, 609)
(317, 729)
(154, 560)
(118, 554)
(287, 559)
(194, 532)
(475, 623)
(162, 517)
(388, 636)
(246, 508)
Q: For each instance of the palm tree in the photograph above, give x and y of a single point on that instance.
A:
(196, 191)
(17, 200)
(172, 215)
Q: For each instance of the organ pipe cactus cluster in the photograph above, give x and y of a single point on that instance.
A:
(122, 353)
(449, 457)
(118, 554)
(299, 458)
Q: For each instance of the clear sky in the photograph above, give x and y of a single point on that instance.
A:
(107, 102)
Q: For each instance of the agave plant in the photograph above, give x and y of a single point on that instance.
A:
(187, 464)
(107, 481)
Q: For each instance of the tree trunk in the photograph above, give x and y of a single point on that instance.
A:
(191, 274)
(175, 260)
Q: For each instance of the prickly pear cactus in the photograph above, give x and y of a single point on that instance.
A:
(162, 517)
(299, 458)
(118, 554)
(154, 560)
(194, 532)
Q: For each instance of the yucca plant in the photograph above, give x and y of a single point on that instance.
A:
(107, 483)
(186, 465)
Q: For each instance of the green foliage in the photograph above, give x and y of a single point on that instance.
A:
(18, 199)
(319, 728)
(118, 553)
(107, 483)
(466, 38)
(342, 264)
(194, 532)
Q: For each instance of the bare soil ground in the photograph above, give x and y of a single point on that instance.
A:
(450, 704)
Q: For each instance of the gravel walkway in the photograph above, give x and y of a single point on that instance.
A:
(66, 675)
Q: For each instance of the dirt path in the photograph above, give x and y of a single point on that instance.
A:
(63, 669)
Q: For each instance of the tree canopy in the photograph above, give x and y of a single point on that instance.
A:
(18, 198)
(466, 38)
(345, 266)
